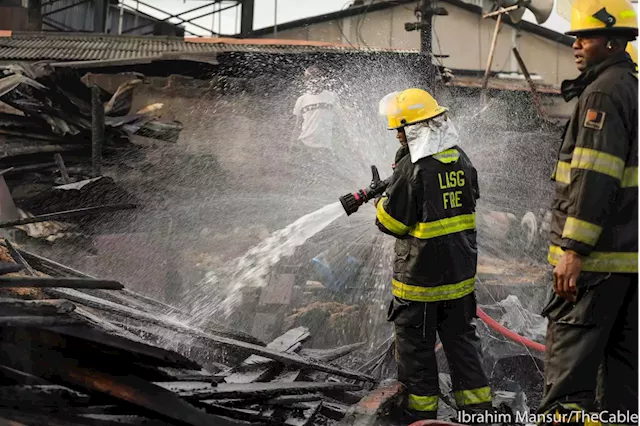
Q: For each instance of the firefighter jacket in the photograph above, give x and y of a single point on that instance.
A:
(595, 211)
(429, 206)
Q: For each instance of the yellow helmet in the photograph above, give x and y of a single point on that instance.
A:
(603, 16)
(633, 53)
(412, 106)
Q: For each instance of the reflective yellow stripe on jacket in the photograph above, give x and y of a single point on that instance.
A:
(629, 175)
(433, 294)
(598, 161)
(581, 230)
(438, 228)
(389, 221)
(620, 262)
(426, 230)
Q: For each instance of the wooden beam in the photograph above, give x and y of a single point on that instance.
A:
(37, 282)
(287, 359)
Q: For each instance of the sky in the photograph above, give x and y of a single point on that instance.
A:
(266, 11)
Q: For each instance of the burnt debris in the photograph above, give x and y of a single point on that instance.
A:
(58, 134)
(93, 354)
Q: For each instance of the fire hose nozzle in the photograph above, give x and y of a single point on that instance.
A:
(351, 202)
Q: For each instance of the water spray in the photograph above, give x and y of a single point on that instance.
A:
(351, 202)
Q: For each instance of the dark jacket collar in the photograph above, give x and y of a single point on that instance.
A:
(572, 88)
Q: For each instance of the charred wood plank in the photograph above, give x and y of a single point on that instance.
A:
(288, 342)
(284, 400)
(328, 355)
(15, 254)
(53, 366)
(37, 321)
(42, 282)
(288, 376)
(70, 340)
(62, 167)
(56, 269)
(306, 417)
(13, 376)
(159, 320)
(203, 391)
(13, 307)
(49, 418)
(247, 415)
(333, 410)
(67, 214)
(23, 147)
(10, 268)
(41, 396)
(120, 420)
(97, 130)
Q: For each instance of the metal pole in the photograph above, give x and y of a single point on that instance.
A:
(97, 130)
(275, 19)
(485, 79)
(246, 23)
(426, 29)
(121, 18)
(100, 16)
(537, 101)
(237, 23)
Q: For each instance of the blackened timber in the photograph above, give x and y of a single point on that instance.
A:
(278, 401)
(308, 413)
(136, 351)
(329, 355)
(53, 366)
(41, 396)
(15, 254)
(42, 282)
(67, 214)
(265, 390)
(288, 342)
(53, 268)
(14, 307)
(36, 321)
(126, 312)
(239, 414)
(11, 375)
(333, 410)
(48, 418)
(63, 169)
(97, 130)
(10, 268)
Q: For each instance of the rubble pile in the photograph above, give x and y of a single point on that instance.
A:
(51, 112)
(58, 134)
(82, 351)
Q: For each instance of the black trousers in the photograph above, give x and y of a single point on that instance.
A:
(416, 324)
(591, 360)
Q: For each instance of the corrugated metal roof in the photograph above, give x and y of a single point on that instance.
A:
(83, 47)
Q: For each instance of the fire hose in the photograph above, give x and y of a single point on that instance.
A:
(496, 326)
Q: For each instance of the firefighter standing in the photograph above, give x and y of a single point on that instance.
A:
(592, 338)
(429, 206)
